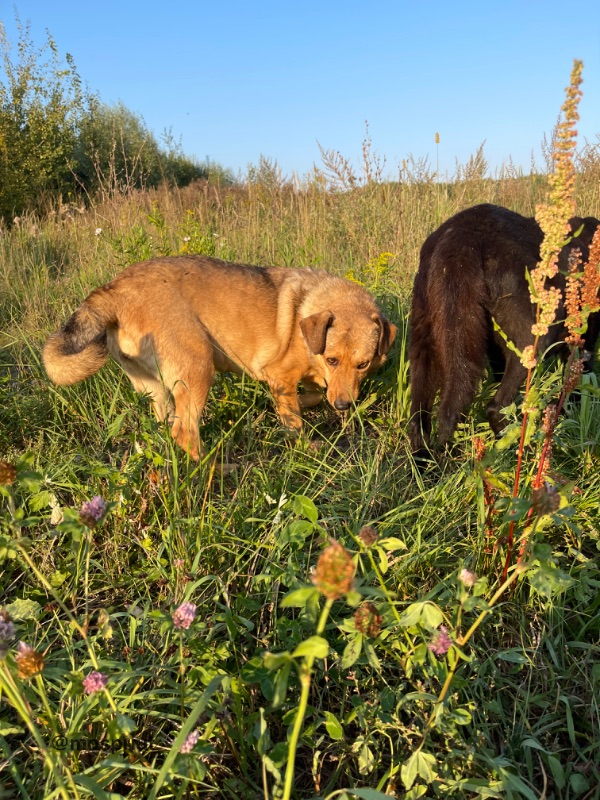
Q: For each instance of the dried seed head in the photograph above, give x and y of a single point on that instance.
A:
(479, 446)
(574, 375)
(367, 535)
(368, 620)
(8, 473)
(28, 661)
(333, 576)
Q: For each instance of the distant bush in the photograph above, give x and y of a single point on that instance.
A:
(57, 141)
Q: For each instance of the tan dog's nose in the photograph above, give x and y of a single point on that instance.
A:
(342, 405)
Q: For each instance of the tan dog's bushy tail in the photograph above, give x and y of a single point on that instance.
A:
(79, 349)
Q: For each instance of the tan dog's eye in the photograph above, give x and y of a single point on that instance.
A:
(364, 365)
(333, 362)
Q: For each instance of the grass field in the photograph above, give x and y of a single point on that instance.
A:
(357, 688)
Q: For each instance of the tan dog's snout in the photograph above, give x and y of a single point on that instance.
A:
(346, 353)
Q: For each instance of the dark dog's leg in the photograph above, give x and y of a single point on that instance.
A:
(424, 381)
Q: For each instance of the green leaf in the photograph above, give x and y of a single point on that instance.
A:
(297, 532)
(304, 507)
(23, 609)
(352, 651)
(93, 788)
(513, 656)
(432, 617)
(422, 764)
(369, 794)
(512, 781)
(125, 724)
(383, 560)
(334, 728)
(558, 773)
(579, 783)
(58, 578)
(392, 543)
(424, 613)
(366, 760)
(40, 500)
(276, 660)
(114, 428)
(314, 646)
(281, 684)
(299, 597)
(549, 580)
(460, 716)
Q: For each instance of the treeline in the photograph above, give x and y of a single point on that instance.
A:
(58, 140)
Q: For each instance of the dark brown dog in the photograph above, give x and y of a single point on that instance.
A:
(173, 322)
(471, 269)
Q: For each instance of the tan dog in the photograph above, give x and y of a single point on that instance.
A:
(172, 322)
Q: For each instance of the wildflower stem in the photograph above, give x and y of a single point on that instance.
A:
(51, 591)
(305, 679)
(461, 641)
(14, 696)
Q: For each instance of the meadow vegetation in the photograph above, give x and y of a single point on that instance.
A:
(326, 621)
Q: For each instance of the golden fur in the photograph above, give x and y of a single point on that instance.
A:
(172, 322)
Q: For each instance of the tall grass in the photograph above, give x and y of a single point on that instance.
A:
(350, 694)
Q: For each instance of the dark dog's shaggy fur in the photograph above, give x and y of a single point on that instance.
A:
(472, 269)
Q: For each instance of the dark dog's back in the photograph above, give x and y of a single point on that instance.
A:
(471, 269)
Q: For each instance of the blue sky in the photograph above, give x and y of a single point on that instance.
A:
(235, 80)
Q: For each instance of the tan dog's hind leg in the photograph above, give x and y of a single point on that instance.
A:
(188, 371)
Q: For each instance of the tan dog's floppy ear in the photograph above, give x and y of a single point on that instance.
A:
(314, 330)
(387, 334)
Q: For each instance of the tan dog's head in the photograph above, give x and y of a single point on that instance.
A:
(347, 350)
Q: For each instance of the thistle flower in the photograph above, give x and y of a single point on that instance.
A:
(92, 511)
(334, 573)
(190, 741)
(467, 578)
(440, 642)
(8, 473)
(184, 615)
(28, 661)
(367, 620)
(94, 682)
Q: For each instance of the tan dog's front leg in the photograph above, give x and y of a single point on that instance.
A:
(287, 404)
(311, 396)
